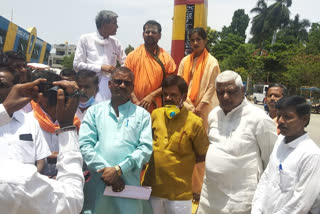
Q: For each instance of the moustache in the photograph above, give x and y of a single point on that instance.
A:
(151, 39)
(169, 103)
(282, 127)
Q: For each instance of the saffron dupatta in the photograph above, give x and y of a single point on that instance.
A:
(198, 73)
(45, 122)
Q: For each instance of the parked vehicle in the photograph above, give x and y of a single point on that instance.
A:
(259, 93)
(312, 95)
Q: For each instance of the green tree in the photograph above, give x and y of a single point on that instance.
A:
(128, 49)
(212, 37)
(259, 28)
(278, 16)
(296, 31)
(67, 61)
(239, 24)
(303, 70)
(313, 45)
(223, 43)
(227, 45)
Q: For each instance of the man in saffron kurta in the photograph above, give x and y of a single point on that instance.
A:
(150, 65)
(115, 141)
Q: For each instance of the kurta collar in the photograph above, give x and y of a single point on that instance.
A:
(293, 144)
(122, 108)
(101, 37)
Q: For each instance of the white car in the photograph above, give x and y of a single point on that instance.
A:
(259, 93)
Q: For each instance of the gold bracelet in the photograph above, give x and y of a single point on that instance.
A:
(118, 170)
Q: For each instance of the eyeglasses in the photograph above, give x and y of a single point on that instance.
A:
(119, 82)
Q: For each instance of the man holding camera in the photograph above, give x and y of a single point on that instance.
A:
(22, 189)
(44, 110)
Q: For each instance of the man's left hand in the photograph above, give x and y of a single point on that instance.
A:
(118, 186)
(65, 111)
(109, 175)
(146, 102)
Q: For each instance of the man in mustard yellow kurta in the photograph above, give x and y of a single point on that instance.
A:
(179, 141)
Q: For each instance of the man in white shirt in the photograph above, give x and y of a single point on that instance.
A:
(100, 51)
(22, 189)
(88, 83)
(290, 183)
(22, 134)
(242, 137)
(44, 110)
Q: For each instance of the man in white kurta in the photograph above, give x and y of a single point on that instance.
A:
(242, 137)
(290, 183)
(22, 189)
(100, 51)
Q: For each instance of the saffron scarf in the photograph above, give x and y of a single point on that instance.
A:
(198, 73)
(45, 122)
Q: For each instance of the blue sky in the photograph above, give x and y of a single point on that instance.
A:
(65, 20)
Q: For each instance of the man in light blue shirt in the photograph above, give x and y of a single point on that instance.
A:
(115, 141)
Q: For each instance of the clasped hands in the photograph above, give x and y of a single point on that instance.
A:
(111, 178)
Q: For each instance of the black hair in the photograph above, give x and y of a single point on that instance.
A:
(47, 89)
(67, 73)
(273, 85)
(104, 16)
(87, 73)
(123, 69)
(152, 22)
(49, 75)
(177, 81)
(15, 55)
(299, 103)
(200, 31)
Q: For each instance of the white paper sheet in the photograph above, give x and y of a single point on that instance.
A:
(135, 192)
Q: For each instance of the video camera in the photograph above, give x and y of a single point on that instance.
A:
(50, 91)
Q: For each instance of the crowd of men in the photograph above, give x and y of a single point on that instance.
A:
(65, 137)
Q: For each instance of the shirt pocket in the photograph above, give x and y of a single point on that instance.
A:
(23, 151)
(286, 180)
(131, 130)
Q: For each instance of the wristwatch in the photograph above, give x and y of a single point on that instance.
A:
(118, 170)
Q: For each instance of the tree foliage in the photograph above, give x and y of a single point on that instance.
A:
(313, 46)
(293, 58)
(223, 43)
(67, 61)
(128, 49)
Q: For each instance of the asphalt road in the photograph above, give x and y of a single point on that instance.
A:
(313, 128)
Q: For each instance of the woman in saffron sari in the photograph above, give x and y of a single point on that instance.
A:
(199, 69)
